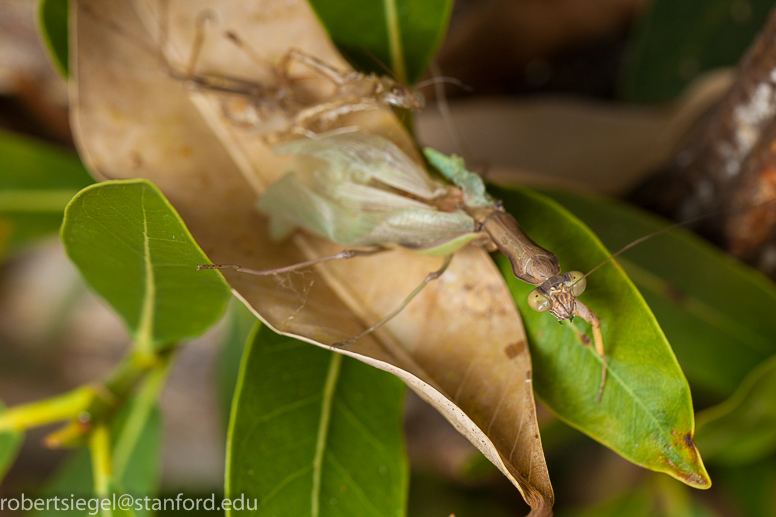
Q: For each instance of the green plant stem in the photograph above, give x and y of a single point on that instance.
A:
(43, 412)
(144, 402)
(130, 370)
(97, 400)
(99, 446)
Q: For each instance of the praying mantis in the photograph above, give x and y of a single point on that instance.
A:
(368, 194)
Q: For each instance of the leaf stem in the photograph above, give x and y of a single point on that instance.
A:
(99, 446)
(129, 371)
(62, 407)
(143, 403)
(95, 399)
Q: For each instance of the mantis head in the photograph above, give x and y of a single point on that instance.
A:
(558, 294)
(399, 95)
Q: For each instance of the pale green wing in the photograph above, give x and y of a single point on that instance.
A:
(288, 202)
(360, 157)
(415, 229)
(357, 197)
(454, 169)
(280, 228)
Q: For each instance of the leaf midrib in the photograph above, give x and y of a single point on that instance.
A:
(394, 40)
(329, 388)
(145, 326)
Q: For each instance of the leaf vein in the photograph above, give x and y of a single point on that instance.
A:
(352, 484)
(364, 430)
(323, 430)
(285, 481)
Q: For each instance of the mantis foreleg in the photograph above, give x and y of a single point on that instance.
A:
(589, 316)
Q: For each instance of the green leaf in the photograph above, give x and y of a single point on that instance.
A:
(646, 411)
(140, 476)
(742, 429)
(134, 250)
(37, 182)
(315, 433)
(402, 34)
(10, 443)
(53, 24)
(716, 312)
(241, 323)
(679, 39)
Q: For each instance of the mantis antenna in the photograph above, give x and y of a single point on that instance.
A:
(661, 231)
(447, 116)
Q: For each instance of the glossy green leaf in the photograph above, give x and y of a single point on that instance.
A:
(646, 412)
(240, 325)
(10, 442)
(53, 24)
(315, 433)
(402, 34)
(716, 312)
(679, 39)
(134, 250)
(140, 477)
(742, 429)
(36, 183)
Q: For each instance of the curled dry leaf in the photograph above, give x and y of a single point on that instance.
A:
(460, 345)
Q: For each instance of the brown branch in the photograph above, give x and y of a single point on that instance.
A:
(729, 165)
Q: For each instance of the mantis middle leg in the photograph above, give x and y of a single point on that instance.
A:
(429, 278)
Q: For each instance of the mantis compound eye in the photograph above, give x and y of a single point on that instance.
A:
(578, 282)
(538, 302)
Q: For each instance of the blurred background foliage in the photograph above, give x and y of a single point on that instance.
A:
(55, 335)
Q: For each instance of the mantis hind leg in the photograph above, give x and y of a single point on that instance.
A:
(205, 16)
(429, 278)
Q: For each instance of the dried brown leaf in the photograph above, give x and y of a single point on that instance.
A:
(460, 344)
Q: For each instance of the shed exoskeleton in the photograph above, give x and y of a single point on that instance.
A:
(278, 108)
